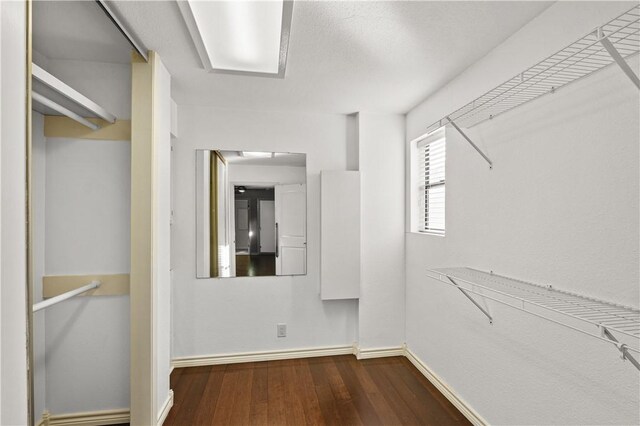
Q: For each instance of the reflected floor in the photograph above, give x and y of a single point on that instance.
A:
(261, 265)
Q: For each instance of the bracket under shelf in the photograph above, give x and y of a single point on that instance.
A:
(606, 318)
(611, 43)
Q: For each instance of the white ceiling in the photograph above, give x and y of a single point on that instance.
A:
(343, 56)
(77, 30)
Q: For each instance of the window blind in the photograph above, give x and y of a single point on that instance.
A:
(431, 183)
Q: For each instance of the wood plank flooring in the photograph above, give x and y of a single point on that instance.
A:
(338, 390)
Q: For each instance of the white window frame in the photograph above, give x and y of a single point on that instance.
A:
(421, 183)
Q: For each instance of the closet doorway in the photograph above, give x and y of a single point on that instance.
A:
(80, 213)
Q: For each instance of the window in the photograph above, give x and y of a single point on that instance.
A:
(431, 183)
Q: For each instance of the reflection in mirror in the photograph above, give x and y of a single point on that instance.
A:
(250, 214)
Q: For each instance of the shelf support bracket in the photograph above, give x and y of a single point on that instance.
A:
(621, 347)
(617, 57)
(470, 298)
(455, 126)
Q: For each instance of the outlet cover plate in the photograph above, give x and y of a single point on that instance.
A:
(282, 330)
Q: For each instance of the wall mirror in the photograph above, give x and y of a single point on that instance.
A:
(251, 213)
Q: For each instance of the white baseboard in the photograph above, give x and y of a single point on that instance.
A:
(447, 391)
(379, 352)
(442, 386)
(92, 418)
(100, 418)
(198, 361)
(166, 407)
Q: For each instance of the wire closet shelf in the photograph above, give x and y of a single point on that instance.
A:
(583, 57)
(565, 308)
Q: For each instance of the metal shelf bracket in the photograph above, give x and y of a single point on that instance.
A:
(613, 52)
(604, 318)
(614, 41)
(455, 126)
(471, 298)
(621, 347)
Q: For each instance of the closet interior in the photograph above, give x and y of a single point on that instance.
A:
(80, 209)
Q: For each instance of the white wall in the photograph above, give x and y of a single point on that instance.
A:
(560, 207)
(266, 174)
(87, 232)
(213, 316)
(13, 356)
(381, 163)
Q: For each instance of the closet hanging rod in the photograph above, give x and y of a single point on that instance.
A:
(37, 97)
(70, 93)
(64, 296)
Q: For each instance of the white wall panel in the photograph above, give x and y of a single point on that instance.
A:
(340, 234)
(381, 309)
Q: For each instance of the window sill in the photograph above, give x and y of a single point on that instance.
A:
(432, 234)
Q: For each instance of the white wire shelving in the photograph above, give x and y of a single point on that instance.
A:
(603, 320)
(610, 43)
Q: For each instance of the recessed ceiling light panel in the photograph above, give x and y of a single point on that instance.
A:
(240, 36)
(256, 154)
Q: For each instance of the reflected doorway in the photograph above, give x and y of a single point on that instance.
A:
(255, 230)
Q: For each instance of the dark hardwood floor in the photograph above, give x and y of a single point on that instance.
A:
(259, 265)
(339, 390)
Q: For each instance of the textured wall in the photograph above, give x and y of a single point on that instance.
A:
(230, 315)
(560, 207)
(381, 163)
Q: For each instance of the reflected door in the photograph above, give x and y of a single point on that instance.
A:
(291, 230)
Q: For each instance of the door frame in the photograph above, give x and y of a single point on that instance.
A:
(232, 186)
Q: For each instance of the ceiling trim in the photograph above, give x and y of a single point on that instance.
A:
(196, 37)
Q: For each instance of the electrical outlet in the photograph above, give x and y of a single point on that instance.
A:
(282, 330)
